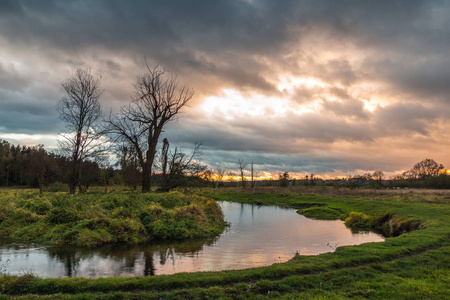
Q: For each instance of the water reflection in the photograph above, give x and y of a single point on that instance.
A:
(259, 235)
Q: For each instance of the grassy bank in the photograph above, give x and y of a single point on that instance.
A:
(413, 263)
(94, 219)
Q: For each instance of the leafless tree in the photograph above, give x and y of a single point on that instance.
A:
(220, 172)
(157, 100)
(181, 167)
(242, 165)
(252, 182)
(378, 175)
(80, 109)
(427, 168)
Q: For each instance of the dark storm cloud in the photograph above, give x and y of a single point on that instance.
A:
(406, 117)
(221, 38)
(402, 47)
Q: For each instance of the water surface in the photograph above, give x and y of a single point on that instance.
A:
(258, 236)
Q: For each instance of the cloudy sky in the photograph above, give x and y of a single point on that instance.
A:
(325, 87)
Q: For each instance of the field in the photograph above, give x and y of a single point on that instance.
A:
(413, 262)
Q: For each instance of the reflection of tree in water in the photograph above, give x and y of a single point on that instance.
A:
(126, 257)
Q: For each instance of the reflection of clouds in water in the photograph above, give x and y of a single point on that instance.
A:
(259, 235)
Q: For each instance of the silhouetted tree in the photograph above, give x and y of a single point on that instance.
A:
(80, 109)
(378, 175)
(427, 168)
(241, 165)
(182, 168)
(283, 180)
(220, 173)
(252, 178)
(157, 100)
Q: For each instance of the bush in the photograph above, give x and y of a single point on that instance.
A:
(357, 220)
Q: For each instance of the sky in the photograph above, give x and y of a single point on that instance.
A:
(334, 88)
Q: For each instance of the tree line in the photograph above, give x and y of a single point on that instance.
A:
(34, 166)
(424, 174)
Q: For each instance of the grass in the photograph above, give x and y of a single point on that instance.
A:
(321, 213)
(95, 219)
(413, 263)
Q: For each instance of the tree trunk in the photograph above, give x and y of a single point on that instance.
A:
(146, 173)
(40, 183)
(74, 178)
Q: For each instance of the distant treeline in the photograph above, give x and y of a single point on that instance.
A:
(424, 174)
(38, 168)
(34, 166)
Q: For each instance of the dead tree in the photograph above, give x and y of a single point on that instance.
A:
(164, 154)
(80, 109)
(242, 166)
(220, 173)
(157, 100)
(182, 168)
(253, 181)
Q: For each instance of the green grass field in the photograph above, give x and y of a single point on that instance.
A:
(413, 263)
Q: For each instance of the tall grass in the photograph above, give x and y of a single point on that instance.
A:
(95, 219)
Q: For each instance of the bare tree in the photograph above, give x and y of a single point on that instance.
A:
(427, 168)
(242, 165)
(378, 175)
(80, 109)
(157, 100)
(253, 182)
(220, 173)
(181, 167)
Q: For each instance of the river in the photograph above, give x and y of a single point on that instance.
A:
(258, 236)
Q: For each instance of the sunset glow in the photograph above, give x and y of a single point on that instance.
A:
(233, 104)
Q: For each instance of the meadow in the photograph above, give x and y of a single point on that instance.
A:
(412, 263)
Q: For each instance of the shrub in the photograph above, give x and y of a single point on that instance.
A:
(357, 220)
